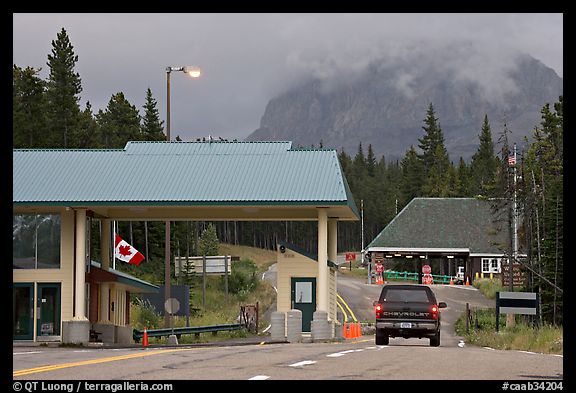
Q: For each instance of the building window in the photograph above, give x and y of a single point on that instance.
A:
(36, 241)
(491, 265)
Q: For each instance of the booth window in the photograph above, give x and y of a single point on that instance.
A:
(491, 265)
(36, 241)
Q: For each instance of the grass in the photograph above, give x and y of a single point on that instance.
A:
(522, 336)
(262, 258)
(488, 287)
(547, 339)
(218, 309)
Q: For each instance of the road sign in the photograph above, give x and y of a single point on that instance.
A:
(172, 305)
(518, 276)
(517, 303)
(426, 269)
(379, 268)
(215, 265)
(350, 257)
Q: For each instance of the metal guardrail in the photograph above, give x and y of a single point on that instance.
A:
(438, 279)
(178, 331)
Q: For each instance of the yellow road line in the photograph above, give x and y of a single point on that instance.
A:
(348, 308)
(343, 312)
(19, 373)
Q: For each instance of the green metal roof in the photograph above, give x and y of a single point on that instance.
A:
(445, 223)
(167, 173)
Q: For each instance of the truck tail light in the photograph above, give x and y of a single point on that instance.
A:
(434, 311)
(378, 308)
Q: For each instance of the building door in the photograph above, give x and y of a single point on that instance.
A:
(48, 303)
(303, 298)
(22, 311)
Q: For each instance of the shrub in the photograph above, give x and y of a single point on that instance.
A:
(243, 278)
(144, 314)
(488, 287)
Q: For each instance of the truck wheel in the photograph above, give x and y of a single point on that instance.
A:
(435, 340)
(381, 337)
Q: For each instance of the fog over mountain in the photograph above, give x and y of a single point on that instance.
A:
(382, 96)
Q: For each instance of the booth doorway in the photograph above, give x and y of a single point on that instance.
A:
(22, 311)
(303, 298)
(48, 304)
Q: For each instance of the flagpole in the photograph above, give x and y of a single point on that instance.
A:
(515, 218)
(113, 245)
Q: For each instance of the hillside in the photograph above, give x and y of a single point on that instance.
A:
(262, 258)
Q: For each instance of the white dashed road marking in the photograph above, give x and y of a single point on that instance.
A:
(259, 378)
(302, 363)
(26, 353)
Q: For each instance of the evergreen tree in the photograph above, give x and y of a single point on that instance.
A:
(152, 126)
(208, 243)
(412, 176)
(28, 108)
(394, 176)
(63, 88)
(464, 181)
(543, 206)
(87, 129)
(434, 156)
(359, 163)
(453, 182)
(436, 183)
(345, 162)
(370, 161)
(120, 122)
(484, 162)
(432, 138)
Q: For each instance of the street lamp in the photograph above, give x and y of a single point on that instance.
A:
(193, 72)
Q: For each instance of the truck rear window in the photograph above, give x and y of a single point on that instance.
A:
(406, 295)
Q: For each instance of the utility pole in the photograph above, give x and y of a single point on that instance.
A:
(515, 234)
(510, 318)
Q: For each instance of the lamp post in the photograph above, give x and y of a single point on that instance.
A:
(194, 72)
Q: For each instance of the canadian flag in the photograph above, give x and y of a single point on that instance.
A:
(126, 253)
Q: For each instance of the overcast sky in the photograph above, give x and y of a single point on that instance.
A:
(248, 59)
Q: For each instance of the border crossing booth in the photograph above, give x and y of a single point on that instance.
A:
(297, 283)
(58, 194)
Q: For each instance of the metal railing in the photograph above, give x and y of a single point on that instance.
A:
(407, 276)
(178, 331)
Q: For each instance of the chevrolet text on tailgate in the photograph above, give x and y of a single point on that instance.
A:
(407, 311)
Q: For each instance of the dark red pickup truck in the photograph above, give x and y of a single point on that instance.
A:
(407, 311)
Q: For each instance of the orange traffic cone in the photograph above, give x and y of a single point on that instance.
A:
(359, 330)
(451, 281)
(467, 282)
(145, 338)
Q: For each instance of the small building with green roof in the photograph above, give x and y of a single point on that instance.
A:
(57, 191)
(455, 231)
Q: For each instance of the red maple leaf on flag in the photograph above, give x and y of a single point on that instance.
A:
(124, 250)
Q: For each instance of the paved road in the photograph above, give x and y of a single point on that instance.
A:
(350, 359)
(354, 359)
